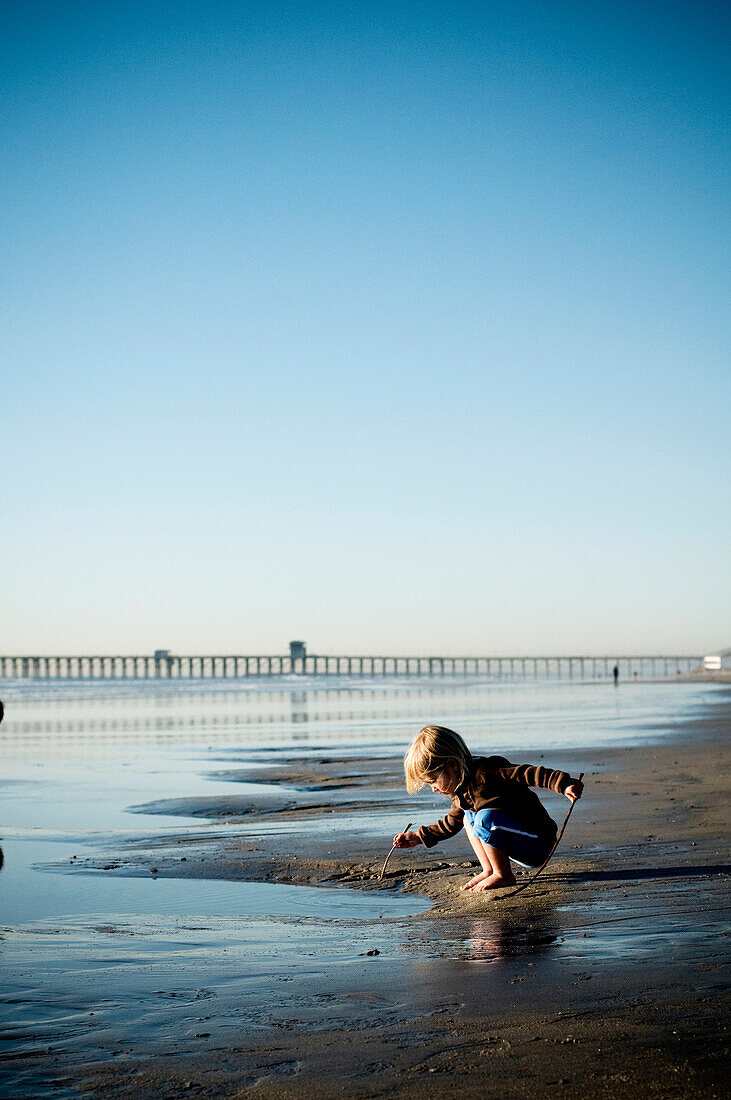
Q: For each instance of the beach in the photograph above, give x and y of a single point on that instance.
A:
(605, 977)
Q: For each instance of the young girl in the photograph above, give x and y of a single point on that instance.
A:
(490, 796)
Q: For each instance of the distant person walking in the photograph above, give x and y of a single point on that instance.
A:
(616, 674)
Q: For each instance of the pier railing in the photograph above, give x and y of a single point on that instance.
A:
(214, 667)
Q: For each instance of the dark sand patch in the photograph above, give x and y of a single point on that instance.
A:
(326, 773)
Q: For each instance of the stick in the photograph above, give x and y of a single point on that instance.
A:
(385, 865)
(530, 881)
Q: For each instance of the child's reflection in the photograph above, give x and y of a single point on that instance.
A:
(491, 938)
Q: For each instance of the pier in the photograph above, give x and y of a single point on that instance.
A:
(165, 665)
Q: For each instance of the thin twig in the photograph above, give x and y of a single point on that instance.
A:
(525, 885)
(385, 865)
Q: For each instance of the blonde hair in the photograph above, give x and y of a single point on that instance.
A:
(433, 749)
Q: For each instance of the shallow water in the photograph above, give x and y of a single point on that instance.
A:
(93, 894)
(54, 717)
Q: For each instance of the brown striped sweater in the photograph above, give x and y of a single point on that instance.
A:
(496, 783)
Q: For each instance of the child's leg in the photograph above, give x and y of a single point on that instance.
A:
(496, 870)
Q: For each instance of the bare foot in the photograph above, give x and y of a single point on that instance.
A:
(475, 880)
(492, 882)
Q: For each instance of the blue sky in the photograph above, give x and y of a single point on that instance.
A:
(397, 327)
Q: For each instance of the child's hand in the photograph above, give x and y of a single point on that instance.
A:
(574, 790)
(406, 840)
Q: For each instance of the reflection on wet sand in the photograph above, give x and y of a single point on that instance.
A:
(491, 938)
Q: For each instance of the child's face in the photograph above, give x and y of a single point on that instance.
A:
(445, 781)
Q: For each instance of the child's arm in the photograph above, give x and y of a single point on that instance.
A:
(429, 835)
(532, 776)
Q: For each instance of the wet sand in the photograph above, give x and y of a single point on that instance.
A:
(607, 978)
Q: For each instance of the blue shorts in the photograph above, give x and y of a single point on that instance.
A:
(500, 831)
